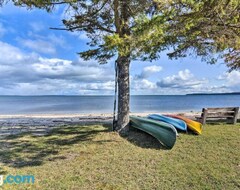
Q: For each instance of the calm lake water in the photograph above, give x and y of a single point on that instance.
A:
(104, 104)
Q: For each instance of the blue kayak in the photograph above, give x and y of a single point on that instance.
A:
(177, 123)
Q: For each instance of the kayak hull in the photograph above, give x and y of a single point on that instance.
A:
(177, 123)
(194, 126)
(166, 134)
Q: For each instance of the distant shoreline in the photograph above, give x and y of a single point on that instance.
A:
(228, 93)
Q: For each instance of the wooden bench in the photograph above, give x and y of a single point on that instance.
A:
(229, 114)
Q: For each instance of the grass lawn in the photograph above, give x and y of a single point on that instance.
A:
(92, 157)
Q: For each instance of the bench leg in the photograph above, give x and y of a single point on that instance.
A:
(204, 116)
(235, 116)
(234, 122)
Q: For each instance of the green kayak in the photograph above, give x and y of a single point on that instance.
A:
(165, 133)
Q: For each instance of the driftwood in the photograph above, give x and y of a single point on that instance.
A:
(229, 114)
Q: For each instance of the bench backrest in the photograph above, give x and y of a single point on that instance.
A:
(230, 113)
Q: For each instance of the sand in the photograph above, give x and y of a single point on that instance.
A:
(41, 124)
(103, 115)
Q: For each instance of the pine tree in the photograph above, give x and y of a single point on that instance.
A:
(142, 29)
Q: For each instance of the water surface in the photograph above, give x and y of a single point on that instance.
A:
(104, 104)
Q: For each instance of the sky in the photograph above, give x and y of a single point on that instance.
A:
(35, 60)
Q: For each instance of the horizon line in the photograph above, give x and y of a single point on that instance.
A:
(214, 93)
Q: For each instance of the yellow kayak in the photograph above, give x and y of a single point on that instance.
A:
(195, 126)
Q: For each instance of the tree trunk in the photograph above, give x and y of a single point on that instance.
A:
(122, 124)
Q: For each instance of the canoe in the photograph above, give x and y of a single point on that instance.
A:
(194, 126)
(165, 133)
(177, 123)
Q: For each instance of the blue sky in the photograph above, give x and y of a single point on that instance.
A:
(35, 60)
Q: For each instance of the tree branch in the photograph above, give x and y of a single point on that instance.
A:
(82, 27)
(27, 2)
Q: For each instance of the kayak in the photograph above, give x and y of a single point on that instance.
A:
(165, 133)
(194, 126)
(177, 123)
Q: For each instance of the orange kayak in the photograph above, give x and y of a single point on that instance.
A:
(194, 126)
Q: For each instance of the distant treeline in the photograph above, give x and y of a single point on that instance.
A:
(229, 93)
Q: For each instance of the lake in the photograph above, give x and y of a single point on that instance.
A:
(104, 104)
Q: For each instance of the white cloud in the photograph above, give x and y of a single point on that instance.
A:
(13, 55)
(22, 73)
(148, 71)
(184, 79)
(140, 84)
(152, 69)
(232, 78)
(48, 44)
(51, 66)
(144, 84)
(184, 75)
(109, 85)
(38, 45)
(183, 82)
(81, 71)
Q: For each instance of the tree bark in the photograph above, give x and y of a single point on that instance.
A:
(121, 15)
(122, 124)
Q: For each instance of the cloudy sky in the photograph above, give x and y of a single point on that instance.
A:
(35, 60)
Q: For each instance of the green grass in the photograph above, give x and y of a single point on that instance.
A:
(92, 157)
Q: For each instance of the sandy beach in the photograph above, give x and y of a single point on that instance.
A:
(41, 124)
(89, 116)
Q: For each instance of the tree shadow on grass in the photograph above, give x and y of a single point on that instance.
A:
(143, 140)
(27, 150)
(2, 172)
